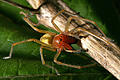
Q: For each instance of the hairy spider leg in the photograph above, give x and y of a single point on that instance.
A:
(56, 27)
(52, 21)
(17, 43)
(80, 18)
(82, 29)
(69, 65)
(36, 29)
(93, 23)
(28, 16)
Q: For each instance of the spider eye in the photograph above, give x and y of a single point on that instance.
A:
(60, 39)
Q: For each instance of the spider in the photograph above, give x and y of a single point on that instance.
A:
(54, 42)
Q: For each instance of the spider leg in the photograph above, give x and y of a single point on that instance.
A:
(29, 40)
(93, 23)
(96, 36)
(82, 29)
(81, 19)
(36, 29)
(99, 37)
(52, 21)
(28, 16)
(67, 25)
(43, 61)
(68, 22)
(69, 65)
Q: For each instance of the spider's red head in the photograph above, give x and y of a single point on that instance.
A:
(63, 41)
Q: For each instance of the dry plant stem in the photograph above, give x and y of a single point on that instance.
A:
(108, 58)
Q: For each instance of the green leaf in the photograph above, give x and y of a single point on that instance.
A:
(26, 64)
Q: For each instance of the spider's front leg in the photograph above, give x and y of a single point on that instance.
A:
(36, 29)
(17, 43)
(28, 17)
